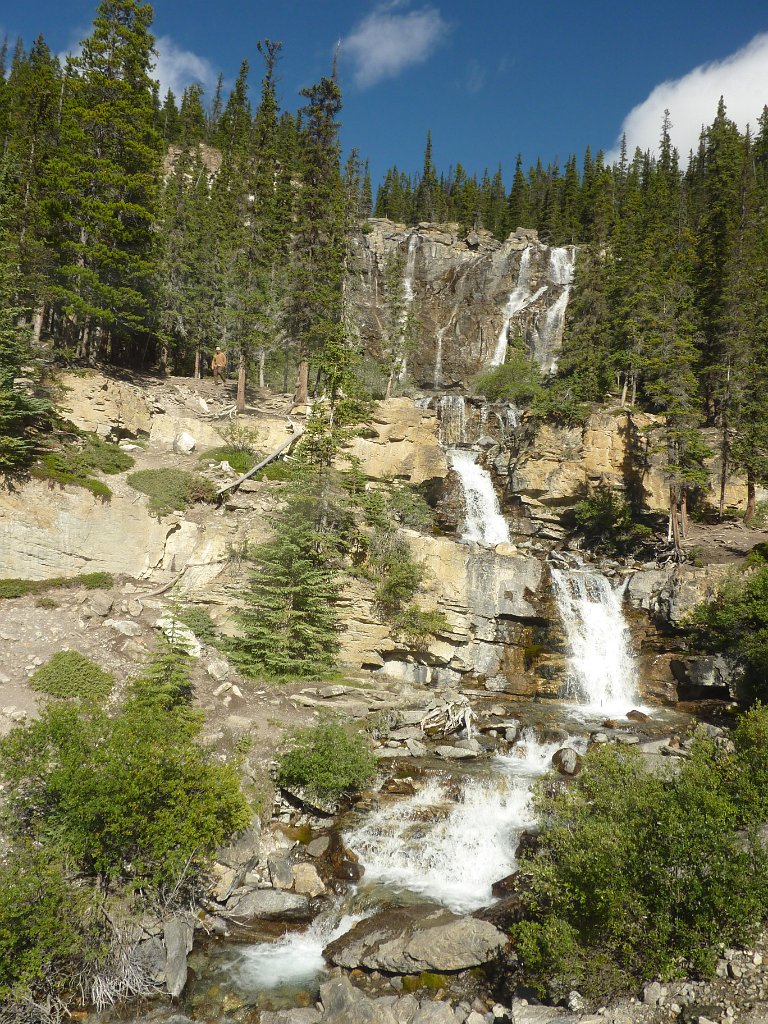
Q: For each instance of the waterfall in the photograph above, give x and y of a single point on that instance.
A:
(408, 278)
(483, 521)
(447, 851)
(548, 336)
(602, 672)
(452, 420)
(518, 299)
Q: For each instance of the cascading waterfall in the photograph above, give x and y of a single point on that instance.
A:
(602, 671)
(408, 278)
(452, 420)
(483, 521)
(519, 298)
(548, 336)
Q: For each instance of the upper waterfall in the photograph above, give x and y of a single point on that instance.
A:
(602, 671)
(483, 521)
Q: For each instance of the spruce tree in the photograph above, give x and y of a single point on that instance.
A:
(106, 176)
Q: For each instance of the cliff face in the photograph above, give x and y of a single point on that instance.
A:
(470, 295)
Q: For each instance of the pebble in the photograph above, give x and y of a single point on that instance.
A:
(4, 679)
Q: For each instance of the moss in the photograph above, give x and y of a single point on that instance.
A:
(71, 674)
(171, 490)
(13, 588)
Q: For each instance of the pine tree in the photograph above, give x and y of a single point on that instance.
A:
(289, 620)
(106, 177)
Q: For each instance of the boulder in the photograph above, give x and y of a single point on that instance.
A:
(419, 938)
(307, 881)
(179, 634)
(184, 443)
(567, 761)
(125, 627)
(298, 1015)
(269, 905)
(280, 866)
(178, 936)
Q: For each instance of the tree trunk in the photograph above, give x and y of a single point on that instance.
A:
(302, 382)
(634, 390)
(37, 324)
(164, 359)
(749, 515)
(241, 381)
(684, 514)
(262, 363)
(673, 510)
(624, 393)
(725, 452)
(198, 363)
(390, 382)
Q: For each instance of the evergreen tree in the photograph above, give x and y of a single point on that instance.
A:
(106, 176)
(289, 621)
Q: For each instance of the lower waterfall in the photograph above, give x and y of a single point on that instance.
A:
(483, 521)
(602, 671)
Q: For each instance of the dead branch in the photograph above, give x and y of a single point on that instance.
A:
(281, 448)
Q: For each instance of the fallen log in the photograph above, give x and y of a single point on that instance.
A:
(280, 450)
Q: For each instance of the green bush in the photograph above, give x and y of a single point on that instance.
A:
(400, 576)
(71, 674)
(517, 380)
(200, 622)
(607, 521)
(131, 799)
(642, 875)
(12, 588)
(76, 462)
(411, 508)
(240, 459)
(327, 760)
(417, 626)
(171, 490)
(736, 623)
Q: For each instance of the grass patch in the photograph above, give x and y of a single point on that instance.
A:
(240, 459)
(171, 490)
(77, 461)
(12, 588)
(71, 674)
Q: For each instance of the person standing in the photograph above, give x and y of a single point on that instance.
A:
(219, 365)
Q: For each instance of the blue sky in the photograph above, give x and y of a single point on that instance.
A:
(542, 77)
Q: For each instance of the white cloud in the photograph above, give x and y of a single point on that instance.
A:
(176, 68)
(741, 78)
(386, 41)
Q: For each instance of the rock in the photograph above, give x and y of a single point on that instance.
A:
(298, 1015)
(318, 847)
(135, 607)
(269, 905)
(179, 634)
(638, 716)
(218, 669)
(652, 994)
(416, 748)
(178, 935)
(126, 627)
(242, 853)
(418, 938)
(434, 1013)
(280, 866)
(575, 1001)
(184, 443)
(327, 692)
(100, 603)
(306, 880)
(567, 761)
(455, 753)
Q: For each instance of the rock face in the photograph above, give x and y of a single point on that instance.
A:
(470, 293)
(414, 939)
(402, 444)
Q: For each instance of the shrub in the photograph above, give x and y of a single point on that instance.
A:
(171, 490)
(417, 626)
(71, 674)
(411, 508)
(200, 622)
(608, 524)
(517, 380)
(77, 461)
(327, 760)
(12, 588)
(131, 799)
(641, 875)
(736, 623)
(240, 459)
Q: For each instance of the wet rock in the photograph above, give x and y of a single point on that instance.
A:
(567, 761)
(414, 939)
(280, 867)
(455, 753)
(416, 748)
(306, 880)
(638, 716)
(298, 1015)
(318, 847)
(269, 905)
